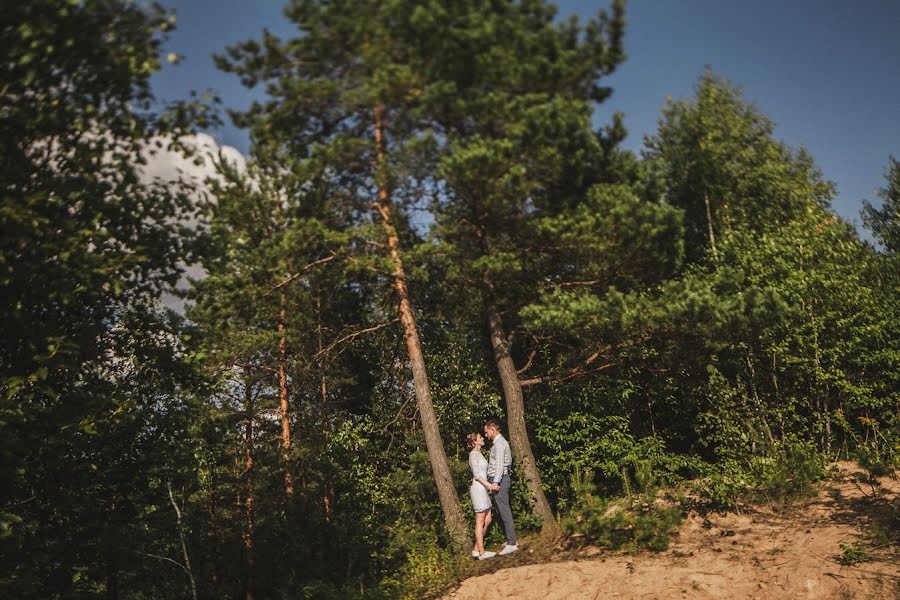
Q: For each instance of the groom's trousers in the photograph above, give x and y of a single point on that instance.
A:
(502, 499)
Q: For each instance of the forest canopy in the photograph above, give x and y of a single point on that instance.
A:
(692, 313)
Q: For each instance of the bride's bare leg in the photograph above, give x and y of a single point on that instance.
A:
(487, 521)
(479, 532)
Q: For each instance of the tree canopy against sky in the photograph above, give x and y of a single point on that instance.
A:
(694, 315)
(781, 64)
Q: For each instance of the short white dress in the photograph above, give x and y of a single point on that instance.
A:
(481, 501)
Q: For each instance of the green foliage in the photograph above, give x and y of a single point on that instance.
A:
(427, 569)
(853, 554)
(696, 312)
(94, 385)
(789, 472)
(724, 486)
(877, 447)
(717, 150)
(884, 221)
(786, 473)
(635, 522)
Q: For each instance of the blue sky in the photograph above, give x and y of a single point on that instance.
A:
(826, 71)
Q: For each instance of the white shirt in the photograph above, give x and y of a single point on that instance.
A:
(501, 459)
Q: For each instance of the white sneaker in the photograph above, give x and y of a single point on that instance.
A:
(508, 549)
(475, 554)
(487, 555)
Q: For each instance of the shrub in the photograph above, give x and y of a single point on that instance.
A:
(877, 450)
(723, 485)
(428, 568)
(637, 521)
(853, 554)
(789, 471)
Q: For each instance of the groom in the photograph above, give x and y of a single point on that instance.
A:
(498, 475)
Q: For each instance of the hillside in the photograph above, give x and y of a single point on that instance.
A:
(760, 553)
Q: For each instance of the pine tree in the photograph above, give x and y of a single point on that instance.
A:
(519, 149)
(884, 222)
(345, 101)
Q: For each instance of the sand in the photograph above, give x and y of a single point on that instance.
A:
(762, 553)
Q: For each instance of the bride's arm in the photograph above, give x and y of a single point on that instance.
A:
(473, 464)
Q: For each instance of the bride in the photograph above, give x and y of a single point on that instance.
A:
(481, 501)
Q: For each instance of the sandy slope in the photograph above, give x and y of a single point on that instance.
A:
(762, 554)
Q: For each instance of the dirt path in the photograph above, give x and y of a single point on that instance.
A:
(764, 555)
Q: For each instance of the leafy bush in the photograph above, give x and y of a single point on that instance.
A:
(637, 521)
(786, 473)
(605, 445)
(853, 554)
(876, 448)
(723, 485)
(428, 568)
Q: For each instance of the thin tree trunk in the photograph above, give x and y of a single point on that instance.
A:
(453, 516)
(761, 411)
(282, 368)
(323, 400)
(709, 222)
(248, 487)
(214, 532)
(323, 383)
(515, 415)
(112, 570)
(112, 581)
(184, 551)
(283, 392)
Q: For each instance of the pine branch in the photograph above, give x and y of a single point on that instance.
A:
(354, 335)
(302, 270)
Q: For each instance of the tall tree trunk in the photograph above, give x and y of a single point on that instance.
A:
(214, 539)
(248, 505)
(453, 515)
(512, 393)
(515, 414)
(112, 581)
(320, 364)
(323, 399)
(283, 392)
(184, 552)
(709, 222)
(282, 366)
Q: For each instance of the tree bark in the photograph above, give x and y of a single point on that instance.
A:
(214, 539)
(320, 363)
(112, 581)
(248, 505)
(512, 393)
(453, 516)
(323, 397)
(283, 392)
(515, 415)
(184, 551)
(709, 222)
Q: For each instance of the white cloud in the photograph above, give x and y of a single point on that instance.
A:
(172, 166)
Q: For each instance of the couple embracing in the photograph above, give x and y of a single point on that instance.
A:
(490, 477)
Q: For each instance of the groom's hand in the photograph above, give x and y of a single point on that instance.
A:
(495, 487)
